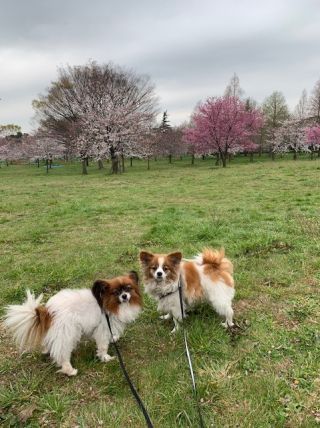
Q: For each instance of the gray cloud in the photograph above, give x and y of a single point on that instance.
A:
(189, 48)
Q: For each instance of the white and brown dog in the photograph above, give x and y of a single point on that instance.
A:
(206, 277)
(57, 327)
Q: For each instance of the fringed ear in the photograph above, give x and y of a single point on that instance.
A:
(134, 276)
(99, 289)
(175, 258)
(145, 257)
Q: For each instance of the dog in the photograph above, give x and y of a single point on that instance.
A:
(57, 327)
(207, 277)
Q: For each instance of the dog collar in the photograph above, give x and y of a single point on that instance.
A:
(166, 295)
(171, 292)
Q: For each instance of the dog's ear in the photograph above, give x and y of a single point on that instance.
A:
(134, 276)
(98, 289)
(145, 257)
(175, 258)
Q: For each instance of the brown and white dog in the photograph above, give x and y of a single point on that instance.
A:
(57, 327)
(206, 277)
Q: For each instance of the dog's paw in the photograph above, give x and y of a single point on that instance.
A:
(69, 372)
(165, 317)
(174, 330)
(106, 358)
(227, 325)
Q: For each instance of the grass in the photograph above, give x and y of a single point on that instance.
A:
(65, 230)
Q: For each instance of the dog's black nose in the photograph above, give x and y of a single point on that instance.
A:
(159, 273)
(124, 296)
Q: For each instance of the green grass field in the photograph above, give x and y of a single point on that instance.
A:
(65, 230)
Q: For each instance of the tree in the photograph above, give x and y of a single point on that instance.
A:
(290, 137)
(10, 130)
(233, 89)
(223, 125)
(314, 102)
(165, 138)
(275, 111)
(101, 106)
(313, 139)
(301, 109)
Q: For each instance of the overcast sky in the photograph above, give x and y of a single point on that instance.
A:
(190, 48)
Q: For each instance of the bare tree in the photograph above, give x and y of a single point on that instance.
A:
(314, 102)
(301, 109)
(234, 89)
(275, 111)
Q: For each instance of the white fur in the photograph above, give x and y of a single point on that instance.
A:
(20, 318)
(218, 294)
(75, 313)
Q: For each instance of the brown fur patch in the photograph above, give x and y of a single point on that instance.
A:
(193, 289)
(217, 266)
(107, 291)
(41, 325)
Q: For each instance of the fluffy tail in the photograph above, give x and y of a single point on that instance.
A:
(28, 322)
(216, 259)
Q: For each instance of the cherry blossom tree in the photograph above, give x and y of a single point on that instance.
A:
(223, 125)
(313, 139)
(290, 137)
(106, 107)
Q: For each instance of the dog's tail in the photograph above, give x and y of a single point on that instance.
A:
(28, 322)
(215, 259)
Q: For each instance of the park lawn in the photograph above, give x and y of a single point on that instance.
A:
(65, 230)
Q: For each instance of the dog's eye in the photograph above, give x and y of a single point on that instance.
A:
(127, 288)
(165, 268)
(154, 267)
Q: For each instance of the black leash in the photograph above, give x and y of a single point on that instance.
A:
(194, 386)
(132, 387)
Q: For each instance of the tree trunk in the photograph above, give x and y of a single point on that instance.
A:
(50, 163)
(203, 157)
(84, 166)
(130, 161)
(38, 163)
(87, 161)
(122, 162)
(170, 158)
(217, 159)
(114, 161)
(47, 165)
(100, 164)
(148, 162)
(192, 159)
(115, 165)
(223, 159)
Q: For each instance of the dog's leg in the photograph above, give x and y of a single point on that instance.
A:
(102, 340)
(229, 317)
(220, 298)
(176, 325)
(166, 317)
